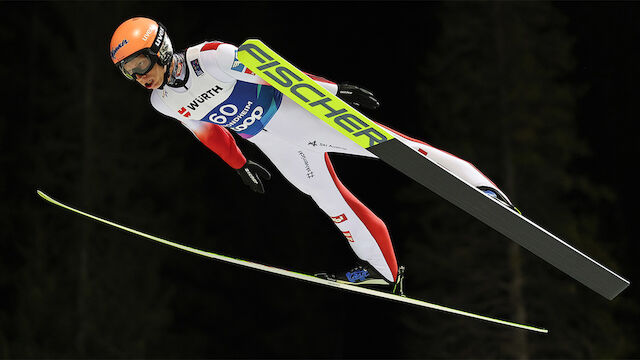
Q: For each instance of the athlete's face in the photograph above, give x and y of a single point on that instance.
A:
(153, 79)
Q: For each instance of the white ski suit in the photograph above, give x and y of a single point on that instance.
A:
(220, 93)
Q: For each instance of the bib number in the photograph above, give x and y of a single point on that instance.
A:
(229, 110)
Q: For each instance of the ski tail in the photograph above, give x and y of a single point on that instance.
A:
(293, 274)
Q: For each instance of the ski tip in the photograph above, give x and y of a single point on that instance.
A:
(43, 195)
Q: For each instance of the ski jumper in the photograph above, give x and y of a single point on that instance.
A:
(221, 94)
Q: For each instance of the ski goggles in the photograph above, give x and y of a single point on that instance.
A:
(136, 64)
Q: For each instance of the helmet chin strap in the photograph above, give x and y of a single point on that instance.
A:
(167, 73)
(165, 78)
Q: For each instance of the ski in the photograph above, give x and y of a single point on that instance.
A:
(296, 275)
(296, 85)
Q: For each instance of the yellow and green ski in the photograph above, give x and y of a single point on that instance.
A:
(293, 274)
(296, 85)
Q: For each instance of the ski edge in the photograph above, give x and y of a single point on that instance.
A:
(296, 275)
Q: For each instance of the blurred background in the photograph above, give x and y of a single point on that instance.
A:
(541, 96)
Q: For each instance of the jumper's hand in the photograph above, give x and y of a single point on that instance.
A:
(251, 174)
(354, 95)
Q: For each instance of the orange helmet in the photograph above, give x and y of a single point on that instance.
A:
(138, 44)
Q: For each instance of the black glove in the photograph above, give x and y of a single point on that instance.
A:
(354, 95)
(251, 173)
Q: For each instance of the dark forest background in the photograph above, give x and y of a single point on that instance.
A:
(542, 97)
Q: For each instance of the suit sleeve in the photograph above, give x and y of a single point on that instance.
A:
(215, 137)
(219, 140)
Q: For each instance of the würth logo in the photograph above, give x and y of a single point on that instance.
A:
(340, 218)
(209, 94)
(184, 112)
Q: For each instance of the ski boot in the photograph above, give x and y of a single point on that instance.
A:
(366, 276)
(491, 192)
